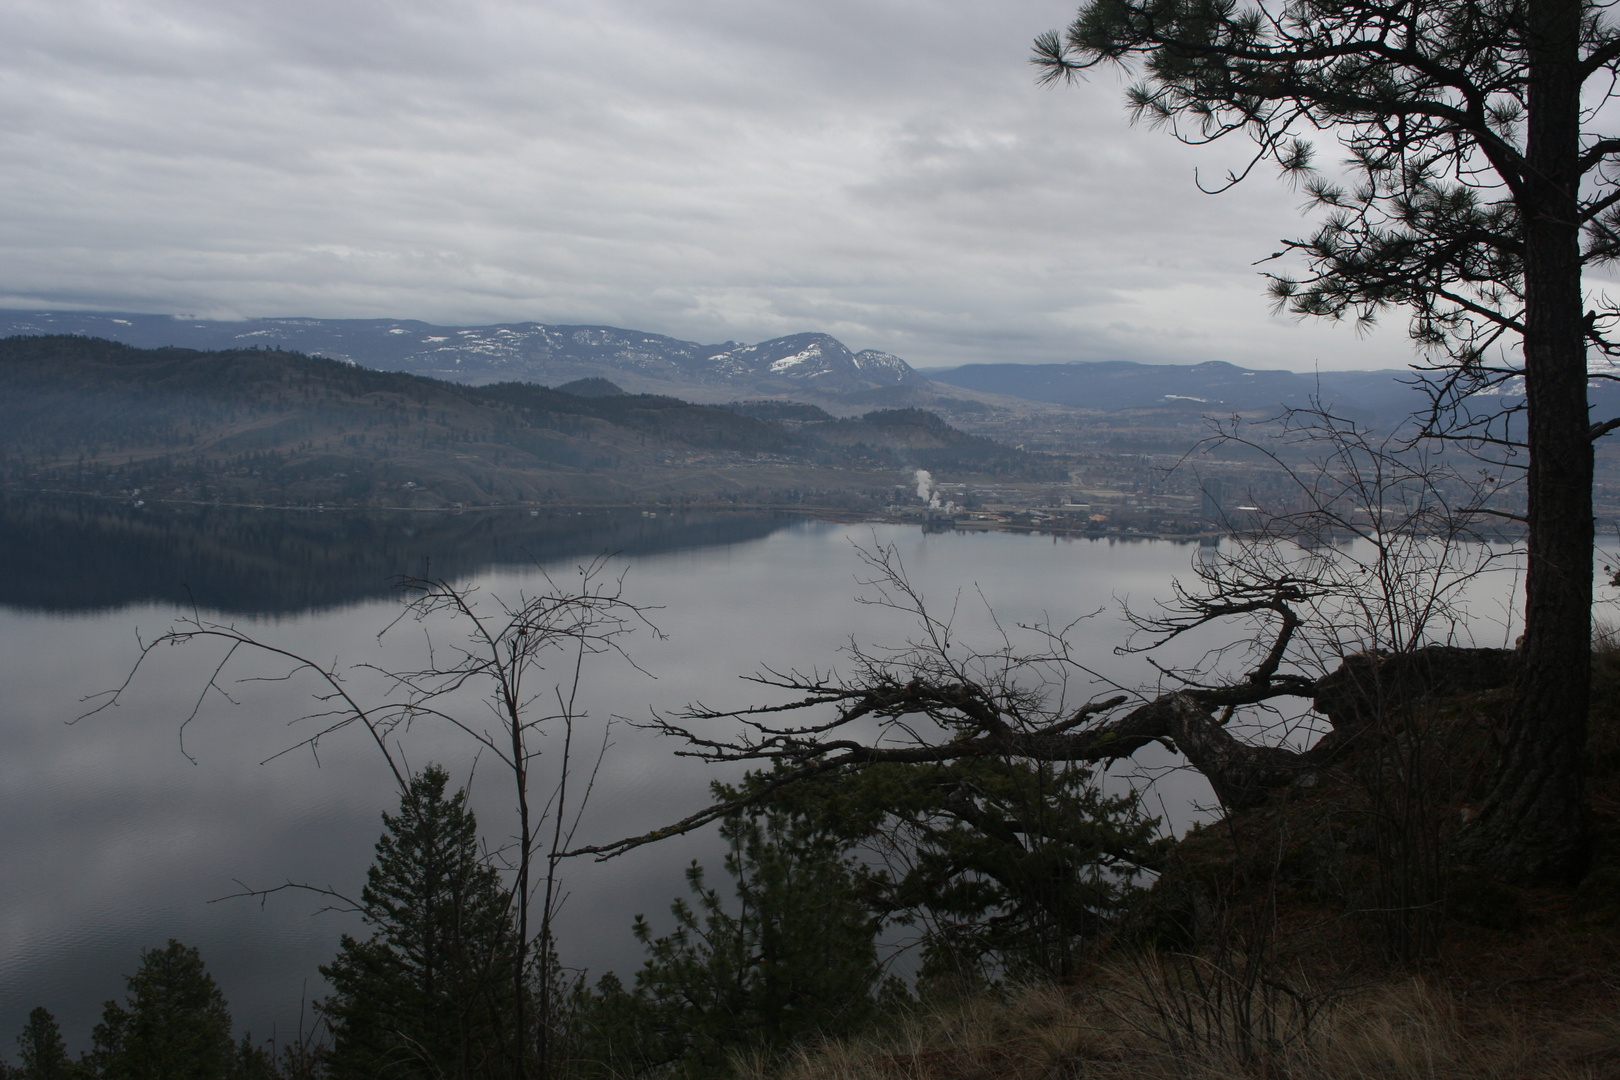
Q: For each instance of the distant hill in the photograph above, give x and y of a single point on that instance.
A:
(801, 364)
(260, 425)
(810, 367)
(1382, 399)
(1212, 386)
(591, 388)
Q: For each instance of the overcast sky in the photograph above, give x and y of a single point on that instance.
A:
(886, 171)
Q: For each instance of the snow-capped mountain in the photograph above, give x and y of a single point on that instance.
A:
(817, 360)
(529, 352)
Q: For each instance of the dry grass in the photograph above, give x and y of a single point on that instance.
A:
(1538, 1000)
(1118, 1027)
(1293, 981)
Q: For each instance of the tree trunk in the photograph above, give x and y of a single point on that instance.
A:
(1533, 824)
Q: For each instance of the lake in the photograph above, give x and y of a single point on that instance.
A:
(123, 829)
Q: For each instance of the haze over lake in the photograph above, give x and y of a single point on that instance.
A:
(118, 840)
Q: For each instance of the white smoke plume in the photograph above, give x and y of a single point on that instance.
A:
(925, 488)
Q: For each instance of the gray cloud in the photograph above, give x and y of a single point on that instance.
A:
(885, 170)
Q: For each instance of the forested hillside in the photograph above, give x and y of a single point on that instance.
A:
(90, 415)
(813, 364)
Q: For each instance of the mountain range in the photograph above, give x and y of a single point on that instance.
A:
(1116, 385)
(811, 367)
(95, 416)
(815, 365)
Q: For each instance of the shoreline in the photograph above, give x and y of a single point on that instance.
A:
(934, 521)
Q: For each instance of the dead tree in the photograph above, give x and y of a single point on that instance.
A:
(1297, 616)
(501, 672)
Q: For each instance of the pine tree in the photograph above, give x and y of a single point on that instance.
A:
(41, 1050)
(1482, 183)
(253, 1062)
(790, 956)
(174, 1025)
(429, 993)
(1007, 867)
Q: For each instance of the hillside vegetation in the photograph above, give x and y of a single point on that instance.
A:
(256, 425)
(1314, 936)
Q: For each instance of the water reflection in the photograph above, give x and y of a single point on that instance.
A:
(116, 841)
(74, 554)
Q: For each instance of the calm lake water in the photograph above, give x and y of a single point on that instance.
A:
(122, 831)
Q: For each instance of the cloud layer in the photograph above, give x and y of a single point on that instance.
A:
(883, 170)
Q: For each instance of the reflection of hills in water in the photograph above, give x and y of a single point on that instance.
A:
(87, 555)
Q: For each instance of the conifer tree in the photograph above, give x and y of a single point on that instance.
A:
(790, 956)
(1482, 182)
(1007, 867)
(429, 993)
(41, 1050)
(174, 1025)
